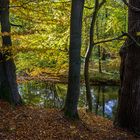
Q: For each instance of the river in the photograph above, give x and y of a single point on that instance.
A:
(49, 95)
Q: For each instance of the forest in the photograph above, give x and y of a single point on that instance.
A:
(69, 70)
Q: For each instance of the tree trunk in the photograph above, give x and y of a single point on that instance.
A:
(97, 7)
(99, 47)
(100, 62)
(128, 114)
(73, 92)
(8, 85)
(88, 55)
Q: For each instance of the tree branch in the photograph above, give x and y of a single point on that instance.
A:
(109, 40)
(130, 6)
(16, 25)
(90, 8)
(119, 37)
(100, 5)
(132, 38)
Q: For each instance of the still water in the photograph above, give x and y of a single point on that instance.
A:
(51, 95)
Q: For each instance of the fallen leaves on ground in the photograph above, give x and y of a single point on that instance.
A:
(32, 123)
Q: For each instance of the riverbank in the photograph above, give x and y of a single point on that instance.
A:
(104, 78)
(97, 78)
(32, 123)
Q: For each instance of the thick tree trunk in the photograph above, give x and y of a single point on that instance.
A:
(8, 85)
(128, 115)
(73, 92)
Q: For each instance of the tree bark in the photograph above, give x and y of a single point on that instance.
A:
(73, 92)
(87, 57)
(8, 84)
(99, 47)
(128, 114)
(100, 61)
(98, 5)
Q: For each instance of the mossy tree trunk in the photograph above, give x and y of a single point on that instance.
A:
(128, 114)
(8, 84)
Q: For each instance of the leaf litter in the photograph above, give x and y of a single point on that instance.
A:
(34, 123)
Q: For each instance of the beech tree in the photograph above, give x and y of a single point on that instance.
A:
(8, 84)
(128, 114)
(73, 92)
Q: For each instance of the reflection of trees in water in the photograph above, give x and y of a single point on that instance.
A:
(97, 100)
(50, 95)
(100, 101)
(42, 94)
(105, 101)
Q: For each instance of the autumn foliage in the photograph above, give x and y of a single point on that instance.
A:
(31, 123)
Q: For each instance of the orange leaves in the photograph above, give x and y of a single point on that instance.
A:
(33, 123)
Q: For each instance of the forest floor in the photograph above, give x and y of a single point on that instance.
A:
(32, 123)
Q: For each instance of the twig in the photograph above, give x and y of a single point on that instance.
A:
(88, 7)
(109, 40)
(16, 25)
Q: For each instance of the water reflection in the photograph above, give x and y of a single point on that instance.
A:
(106, 100)
(51, 95)
(42, 94)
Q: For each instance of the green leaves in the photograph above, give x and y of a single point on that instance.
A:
(43, 40)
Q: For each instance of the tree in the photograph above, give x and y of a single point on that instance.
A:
(98, 5)
(42, 36)
(8, 85)
(73, 92)
(128, 114)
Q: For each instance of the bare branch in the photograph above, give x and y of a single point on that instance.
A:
(90, 8)
(109, 40)
(16, 25)
(118, 38)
